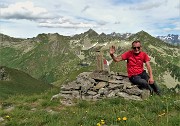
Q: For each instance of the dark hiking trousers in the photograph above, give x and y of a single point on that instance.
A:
(142, 81)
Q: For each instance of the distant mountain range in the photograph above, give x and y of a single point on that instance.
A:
(58, 59)
(124, 35)
(170, 38)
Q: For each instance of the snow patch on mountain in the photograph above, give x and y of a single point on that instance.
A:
(170, 38)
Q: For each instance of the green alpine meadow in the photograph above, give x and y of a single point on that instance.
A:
(33, 70)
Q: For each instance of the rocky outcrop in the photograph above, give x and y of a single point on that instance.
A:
(100, 85)
(3, 74)
(176, 89)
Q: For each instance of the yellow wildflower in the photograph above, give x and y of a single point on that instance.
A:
(118, 119)
(124, 118)
(102, 122)
(161, 114)
(7, 117)
(98, 124)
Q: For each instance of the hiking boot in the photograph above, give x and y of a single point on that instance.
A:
(158, 92)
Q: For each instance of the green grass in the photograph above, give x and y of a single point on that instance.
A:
(20, 83)
(38, 110)
(8, 55)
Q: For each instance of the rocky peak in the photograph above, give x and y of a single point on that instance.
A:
(123, 35)
(170, 38)
(91, 33)
(9, 39)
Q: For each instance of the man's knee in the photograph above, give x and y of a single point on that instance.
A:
(142, 83)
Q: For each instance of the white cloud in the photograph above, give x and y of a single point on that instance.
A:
(66, 24)
(24, 10)
(70, 16)
(147, 6)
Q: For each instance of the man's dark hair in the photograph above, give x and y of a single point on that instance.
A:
(137, 41)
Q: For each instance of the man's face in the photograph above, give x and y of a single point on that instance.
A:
(136, 47)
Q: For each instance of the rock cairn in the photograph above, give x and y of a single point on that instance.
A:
(99, 85)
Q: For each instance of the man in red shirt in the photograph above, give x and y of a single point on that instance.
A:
(136, 73)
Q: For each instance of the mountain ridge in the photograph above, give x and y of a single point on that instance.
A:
(14, 82)
(55, 58)
(171, 38)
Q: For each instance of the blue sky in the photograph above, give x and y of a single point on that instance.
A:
(20, 18)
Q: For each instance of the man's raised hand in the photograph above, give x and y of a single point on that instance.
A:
(112, 50)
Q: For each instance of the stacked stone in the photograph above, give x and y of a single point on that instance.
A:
(99, 85)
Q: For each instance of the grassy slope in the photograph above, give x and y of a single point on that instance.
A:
(38, 110)
(20, 83)
(50, 60)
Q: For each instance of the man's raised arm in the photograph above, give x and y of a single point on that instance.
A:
(112, 51)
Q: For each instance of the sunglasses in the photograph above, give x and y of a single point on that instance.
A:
(136, 47)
